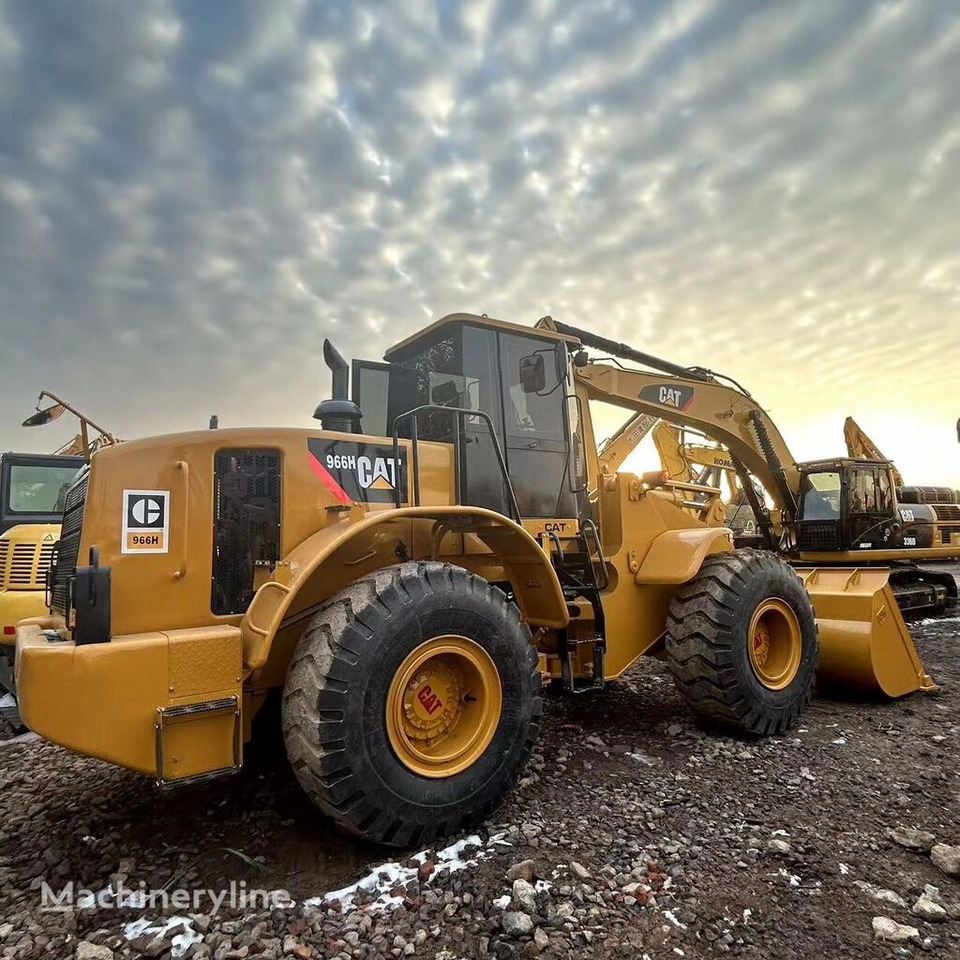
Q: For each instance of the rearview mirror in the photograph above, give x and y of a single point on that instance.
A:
(445, 394)
(43, 416)
(533, 377)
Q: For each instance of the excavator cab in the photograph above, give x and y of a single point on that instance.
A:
(847, 505)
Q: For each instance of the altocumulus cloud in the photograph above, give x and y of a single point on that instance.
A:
(192, 194)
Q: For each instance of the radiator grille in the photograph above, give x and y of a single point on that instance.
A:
(69, 546)
(4, 557)
(812, 535)
(947, 511)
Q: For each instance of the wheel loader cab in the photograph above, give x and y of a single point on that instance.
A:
(517, 377)
(847, 505)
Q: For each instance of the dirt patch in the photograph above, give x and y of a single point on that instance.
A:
(649, 834)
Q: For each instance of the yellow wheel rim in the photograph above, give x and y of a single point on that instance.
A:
(774, 643)
(443, 706)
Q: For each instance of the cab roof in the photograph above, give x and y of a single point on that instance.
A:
(452, 319)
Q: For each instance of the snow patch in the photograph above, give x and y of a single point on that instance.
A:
(182, 942)
(670, 916)
(388, 876)
(791, 878)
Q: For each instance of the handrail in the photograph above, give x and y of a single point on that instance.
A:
(588, 524)
(184, 467)
(460, 412)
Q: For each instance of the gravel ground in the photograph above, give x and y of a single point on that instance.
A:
(634, 832)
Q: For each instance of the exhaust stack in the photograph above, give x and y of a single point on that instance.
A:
(339, 413)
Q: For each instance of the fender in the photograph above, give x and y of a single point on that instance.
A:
(536, 587)
(675, 556)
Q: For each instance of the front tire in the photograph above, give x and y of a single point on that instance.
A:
(412, 703)
(742, 642)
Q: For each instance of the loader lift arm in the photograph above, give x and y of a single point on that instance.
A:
(622, 443)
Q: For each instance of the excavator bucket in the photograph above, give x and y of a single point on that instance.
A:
(864, 641)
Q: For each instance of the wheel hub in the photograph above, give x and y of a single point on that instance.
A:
(774, 643)
(433, 701)
(443, 706)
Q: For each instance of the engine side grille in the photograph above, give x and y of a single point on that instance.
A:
(69, 545)
(43, 563)
(947, 511)
(23, 565)
(246, 524)
(812, 535)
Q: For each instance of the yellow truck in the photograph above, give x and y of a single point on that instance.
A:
(32, 491)
(32, 488)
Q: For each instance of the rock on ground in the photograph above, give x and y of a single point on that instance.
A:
(946, 859)
(886, 929)
(912, 839)
(93, 951)
(516, 924)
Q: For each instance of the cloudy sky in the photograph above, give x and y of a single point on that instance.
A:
(192, 194)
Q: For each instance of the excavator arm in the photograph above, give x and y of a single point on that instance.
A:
(679, 458)
(861, 447)
(693, 397)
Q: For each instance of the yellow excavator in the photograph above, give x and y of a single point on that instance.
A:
(400, 577)
(834, 511)
(944, 502)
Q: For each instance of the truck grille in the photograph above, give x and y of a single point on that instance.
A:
(65, 565)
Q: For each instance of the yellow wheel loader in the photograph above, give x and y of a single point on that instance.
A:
(403, 576)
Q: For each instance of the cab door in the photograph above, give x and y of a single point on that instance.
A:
(872, 521)
(535, 426)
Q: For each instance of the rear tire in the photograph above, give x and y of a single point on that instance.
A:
(412, 702)
(742, 642)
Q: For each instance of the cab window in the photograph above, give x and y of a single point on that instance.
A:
(870, 492)
(39, 488)
(538, 415)
(820, 496)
